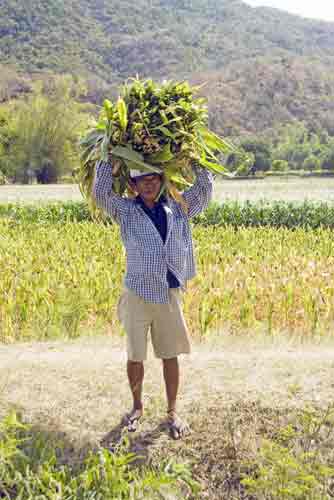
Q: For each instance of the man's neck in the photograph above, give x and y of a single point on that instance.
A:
(148, 203)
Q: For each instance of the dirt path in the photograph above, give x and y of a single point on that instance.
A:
(80, 387)
(232, 393)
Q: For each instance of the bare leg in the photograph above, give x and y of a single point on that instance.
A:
(135, 372)
(172, 378)
(136, 376)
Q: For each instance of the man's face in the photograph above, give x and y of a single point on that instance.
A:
(148, 187)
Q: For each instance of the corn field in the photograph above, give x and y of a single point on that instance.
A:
(64, 280)
(310, 215)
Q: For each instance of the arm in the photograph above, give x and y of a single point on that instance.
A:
(200, 194)
(105, 197)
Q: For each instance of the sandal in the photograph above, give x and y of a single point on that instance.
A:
(177, 427)
(132, 420)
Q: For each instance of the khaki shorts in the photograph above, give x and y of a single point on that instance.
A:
(165, 321)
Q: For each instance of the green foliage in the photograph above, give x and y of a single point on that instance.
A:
(153, 128)
(293, 466)
(328, 158)
(292, 147)
(68, 179)
(261, 152)
(311, 163)
(40, 134)
(12, 84)
(58, 212)
(302, 147)
(241, 163)
(29, 469)
(150, 38)
(7, 137)
(310, 215)
(262, 67)
(280, 166)
(63, 280)
(3, 179)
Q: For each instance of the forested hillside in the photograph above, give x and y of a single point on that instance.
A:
(262, 66)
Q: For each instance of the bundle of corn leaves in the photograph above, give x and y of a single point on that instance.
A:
(153, 128)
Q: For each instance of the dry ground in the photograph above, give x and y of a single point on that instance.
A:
(44, 193)
(276, 188)
(232, 392)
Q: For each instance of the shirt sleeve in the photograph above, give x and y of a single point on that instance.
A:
(200, 194)
(112, 203)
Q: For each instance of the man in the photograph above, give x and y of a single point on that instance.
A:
(157, 238)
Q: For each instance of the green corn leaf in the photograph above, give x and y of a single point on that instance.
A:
(91, 138)
(133, 158)
(102, 124)
(122, 113)
(166, 111)
(180, 180)
(165, 120)
(205, 150)
(164, 117)
(105, 148)
(88, 154)
(172, 172)
(166, 132)
(216, 168)
(163, 156)
(215, 142)
(108, 108)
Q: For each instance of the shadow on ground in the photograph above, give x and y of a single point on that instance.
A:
(139, 442)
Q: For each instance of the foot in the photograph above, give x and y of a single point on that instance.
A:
(177, 427)
(132, 419)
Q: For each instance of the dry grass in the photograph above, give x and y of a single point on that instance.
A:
(233, 394)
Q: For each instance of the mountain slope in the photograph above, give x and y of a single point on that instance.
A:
(217, 40)
(150, 37)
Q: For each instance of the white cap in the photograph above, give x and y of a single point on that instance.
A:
(139, 173)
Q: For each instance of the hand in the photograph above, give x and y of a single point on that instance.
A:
(116, 166)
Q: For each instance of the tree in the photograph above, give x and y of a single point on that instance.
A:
(47, 126)
(7, 136)
(261, 151)
(311, 163)
(300, 147)
(328, 161)
(242, 163)
(280, 166)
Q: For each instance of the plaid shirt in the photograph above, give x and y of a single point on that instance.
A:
(148, 257)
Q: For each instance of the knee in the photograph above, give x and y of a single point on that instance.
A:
(135, 364)
(170, 361)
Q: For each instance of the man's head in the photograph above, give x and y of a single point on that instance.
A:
(147, 185)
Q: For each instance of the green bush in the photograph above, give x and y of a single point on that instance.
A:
(47, 213)
(30, 469)
(67, 179)
(280, 166)
(291, 215)
(3, 179)
(276, 214)
(294, 464)
(41, 135)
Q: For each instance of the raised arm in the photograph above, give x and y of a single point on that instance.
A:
(200, 194)
(115, 206)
